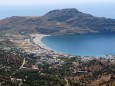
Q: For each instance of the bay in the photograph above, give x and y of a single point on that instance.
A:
(82, 45)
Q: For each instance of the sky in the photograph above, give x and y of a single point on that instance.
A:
(38, 2)
(99, 8)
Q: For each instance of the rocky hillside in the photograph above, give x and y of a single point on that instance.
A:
(65, 21)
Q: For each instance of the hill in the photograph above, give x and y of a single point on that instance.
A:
(65, 21)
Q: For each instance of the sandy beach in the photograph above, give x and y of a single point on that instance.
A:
(38, 41)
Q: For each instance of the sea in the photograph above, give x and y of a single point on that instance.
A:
(82, 44)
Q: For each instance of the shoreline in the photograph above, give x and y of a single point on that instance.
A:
(38, 41)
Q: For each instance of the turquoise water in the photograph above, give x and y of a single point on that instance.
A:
(83, 45)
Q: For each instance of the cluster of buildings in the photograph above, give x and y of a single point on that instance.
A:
(27, 45)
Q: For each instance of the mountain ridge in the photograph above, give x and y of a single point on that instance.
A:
(64, 21)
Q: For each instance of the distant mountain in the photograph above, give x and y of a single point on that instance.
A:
(65, 21)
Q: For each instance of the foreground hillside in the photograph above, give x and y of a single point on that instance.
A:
(73, 72)
(65, 21)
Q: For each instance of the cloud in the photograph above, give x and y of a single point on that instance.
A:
(43, 2)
